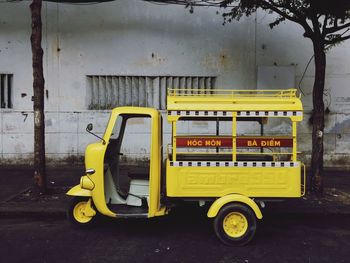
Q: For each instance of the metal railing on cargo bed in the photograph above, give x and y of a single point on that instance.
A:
(289, 93)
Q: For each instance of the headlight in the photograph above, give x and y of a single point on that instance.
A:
(90, 171)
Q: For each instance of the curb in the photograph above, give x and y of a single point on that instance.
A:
(338, 211)
(59, 210)
(307, 209)
(16, 194)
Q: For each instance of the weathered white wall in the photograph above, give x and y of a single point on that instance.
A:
(137, 38)
(284, 46)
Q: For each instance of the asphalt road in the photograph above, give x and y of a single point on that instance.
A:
(185, 236)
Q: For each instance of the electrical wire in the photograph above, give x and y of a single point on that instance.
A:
(302, 77)
(189, 3)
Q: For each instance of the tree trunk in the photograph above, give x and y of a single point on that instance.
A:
(318, 119)
(38, 91)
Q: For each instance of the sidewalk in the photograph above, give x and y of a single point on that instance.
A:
(16, 199)
(15, 191)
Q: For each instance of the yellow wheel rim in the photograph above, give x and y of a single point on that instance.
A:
(78, 213)
(235, 224)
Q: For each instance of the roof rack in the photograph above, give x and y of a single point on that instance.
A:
(288, 93)
(233, 100)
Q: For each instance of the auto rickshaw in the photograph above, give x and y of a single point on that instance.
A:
(235, 168)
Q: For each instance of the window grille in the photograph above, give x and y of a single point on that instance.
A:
(107, 92)
(6, 91)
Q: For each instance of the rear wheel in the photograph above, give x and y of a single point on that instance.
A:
(76, 215)
(235, 224)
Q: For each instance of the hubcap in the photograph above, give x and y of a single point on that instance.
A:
(78, 213)
(235, 224)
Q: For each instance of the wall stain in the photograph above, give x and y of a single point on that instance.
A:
(56, 47)
(342, 127)
(220, 61)
(154, 60)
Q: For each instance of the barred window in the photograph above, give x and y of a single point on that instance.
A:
(6, 91)
(107, 92)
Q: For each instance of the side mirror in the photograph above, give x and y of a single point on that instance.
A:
(89, 127)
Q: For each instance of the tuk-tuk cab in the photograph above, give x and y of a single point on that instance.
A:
(248, 157)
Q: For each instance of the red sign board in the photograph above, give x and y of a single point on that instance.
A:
(204, 142)
(248, 142)
(241, 142)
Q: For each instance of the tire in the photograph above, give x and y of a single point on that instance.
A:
(235, 224)
(76, 217)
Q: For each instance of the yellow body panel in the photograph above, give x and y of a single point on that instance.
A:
(78, 191)
(216, 206)
(94, 158)
(221, 181)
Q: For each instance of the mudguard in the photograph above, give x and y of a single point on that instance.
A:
(216, 206)
(78, 191)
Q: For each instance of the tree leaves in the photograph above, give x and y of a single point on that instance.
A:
(324, 21)
(277, 22)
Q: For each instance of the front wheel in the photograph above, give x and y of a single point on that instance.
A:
(235, 224)
(76, 215)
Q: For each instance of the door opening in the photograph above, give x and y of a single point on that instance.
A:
(127, 164)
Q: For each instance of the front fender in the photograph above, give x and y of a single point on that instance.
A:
(78, 191)
(216, 206)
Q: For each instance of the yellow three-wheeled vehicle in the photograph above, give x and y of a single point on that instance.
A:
(245, 154)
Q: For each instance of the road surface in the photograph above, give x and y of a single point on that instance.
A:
(184, 236)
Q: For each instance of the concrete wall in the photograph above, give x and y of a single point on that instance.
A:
(142, 39)
(284, 47)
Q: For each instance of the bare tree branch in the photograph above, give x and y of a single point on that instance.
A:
(325, 22)
(335, 28)
(336, 40)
